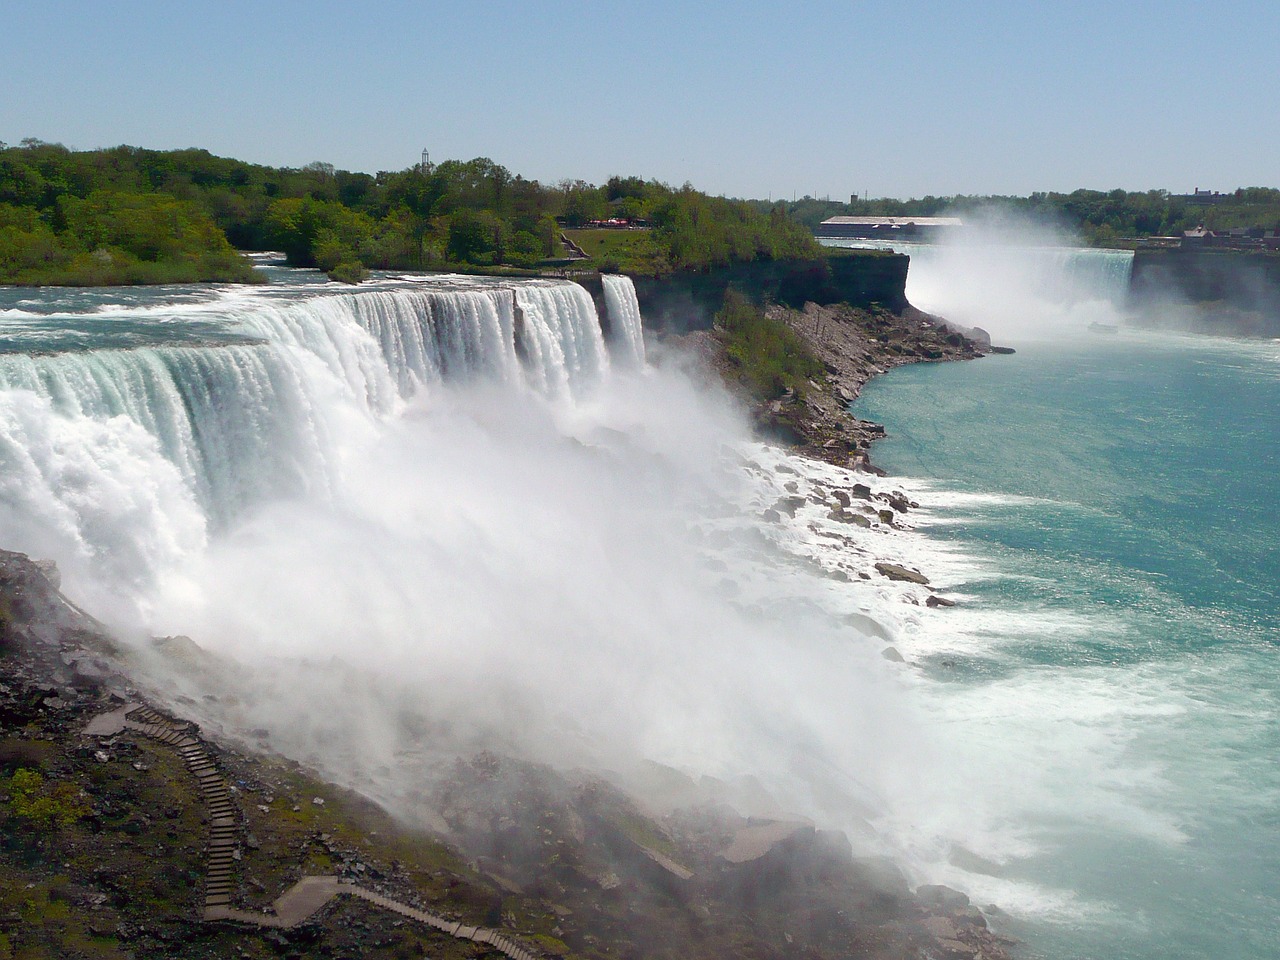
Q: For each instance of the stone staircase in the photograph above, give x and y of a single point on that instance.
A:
(304, 898)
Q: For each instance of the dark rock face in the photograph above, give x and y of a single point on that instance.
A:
(1209, 291)
(687, 301)
(895, 571)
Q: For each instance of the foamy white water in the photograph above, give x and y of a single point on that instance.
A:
(624, 319)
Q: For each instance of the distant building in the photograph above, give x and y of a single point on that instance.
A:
(1204, 198)
(1236, 238)
(924, 229)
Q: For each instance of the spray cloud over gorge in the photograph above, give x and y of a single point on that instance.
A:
(428, 519)
(447, 517)
(435, 518)
(1016, 278)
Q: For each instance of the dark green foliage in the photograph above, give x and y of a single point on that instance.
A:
(129, 215)
(348, 271)
(770, 358)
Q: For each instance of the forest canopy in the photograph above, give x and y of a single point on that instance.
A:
(132, 215)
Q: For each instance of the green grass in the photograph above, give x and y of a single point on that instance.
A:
(631, 251)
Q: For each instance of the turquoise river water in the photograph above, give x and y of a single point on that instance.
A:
(1105, 506)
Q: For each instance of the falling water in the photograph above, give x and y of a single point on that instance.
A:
(627, 331)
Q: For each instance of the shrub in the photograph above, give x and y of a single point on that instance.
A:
(42, 804)
(348, 271)
(771, 358)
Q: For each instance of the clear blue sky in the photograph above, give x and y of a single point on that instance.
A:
(748, 99)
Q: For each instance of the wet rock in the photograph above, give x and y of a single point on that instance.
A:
(940, 928)
(895, 571)
(861, 491)
(957, 949)
(938, 895)
(50, 571)
(866, 625)
(936, 601)
(789, 505)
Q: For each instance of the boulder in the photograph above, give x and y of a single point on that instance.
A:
(945, 897)
(895, 571)
(936, 601)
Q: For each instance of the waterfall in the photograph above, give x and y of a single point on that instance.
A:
(561, 339)
(126, 455)
(1014, 290)
(237, 422)
(626, 331)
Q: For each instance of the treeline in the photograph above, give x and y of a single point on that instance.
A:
(128, 214)
(1099, 217)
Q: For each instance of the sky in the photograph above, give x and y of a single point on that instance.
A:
(759, 100)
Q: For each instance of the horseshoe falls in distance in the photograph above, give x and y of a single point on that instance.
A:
(1103, 507)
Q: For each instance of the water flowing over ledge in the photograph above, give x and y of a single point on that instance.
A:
(248, 414)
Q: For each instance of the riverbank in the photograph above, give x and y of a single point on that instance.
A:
(853, 344)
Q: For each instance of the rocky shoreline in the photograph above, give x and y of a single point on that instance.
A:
(854, 345)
